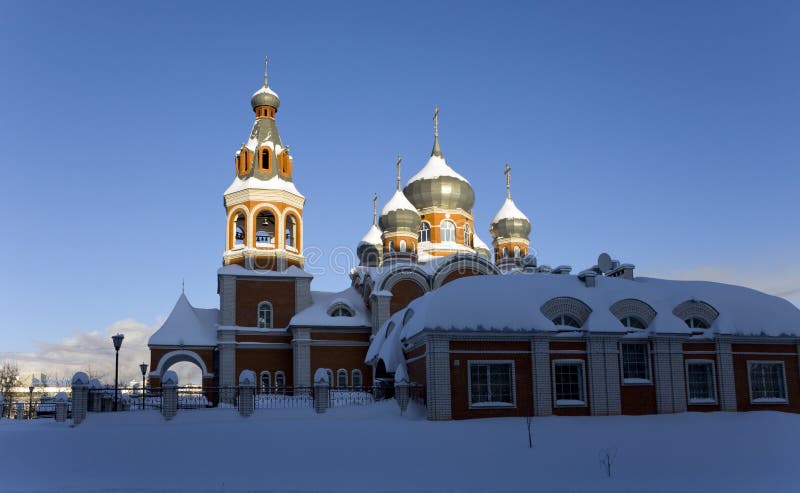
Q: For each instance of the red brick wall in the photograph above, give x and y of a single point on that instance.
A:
(265, 359)
(335, 357)
(279, 292)
(342, 336)
(459, 380)
(403, 293)
(742, 381)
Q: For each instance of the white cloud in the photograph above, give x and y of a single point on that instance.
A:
(89, 351)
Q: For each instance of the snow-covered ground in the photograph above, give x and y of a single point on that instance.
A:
(372, 448)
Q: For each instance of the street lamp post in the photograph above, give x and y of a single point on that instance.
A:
(30, 402)
(143, 367)
(117, 344)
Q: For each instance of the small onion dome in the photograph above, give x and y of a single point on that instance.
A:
(265, 97)
(438, 185)
(399, 215)
(480, 247)
(510, 222)
(370, 245)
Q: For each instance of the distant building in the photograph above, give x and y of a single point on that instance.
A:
(515, 339)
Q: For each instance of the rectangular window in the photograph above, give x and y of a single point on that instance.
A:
(568, 383)
(491, 384)
(700, 382)
(635, 363)
(767, 382)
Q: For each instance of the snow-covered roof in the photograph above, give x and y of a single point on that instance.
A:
(478, 243)
(238, 270)
(373, 236)
(509, 210)
(322, 302)
(265, 90)
(511, 303)
(434, 168)
(187, 326)
(399, 201)
(254, 182)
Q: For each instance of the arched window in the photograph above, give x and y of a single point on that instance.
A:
(238, 227)
(341, 378)
(403, 246)
(291, 231)
(567, 321)
(280, 382)
(505, 252)
(424, 233)
(265, 315)
(407, 316)
(266, 382)
(696, 323)
(357, 380)
(391, 246)
(330, 376)
(516, 252)
(633, 323)
(467, 235)
(265, 164)
(447, 231)
(341, 311)
(265, 229)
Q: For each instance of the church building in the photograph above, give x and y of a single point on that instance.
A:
(480, 330)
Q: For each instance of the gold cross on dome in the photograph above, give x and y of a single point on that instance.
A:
(507, 172)
(266, 62)
(436, 121)
(399, 160)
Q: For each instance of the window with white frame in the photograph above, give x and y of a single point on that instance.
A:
(567, 321)
(265, 315)
(357, 379)
(424, 232)
(700, 382)
(403, 247)
(491, 383)
(635, 362)
(447, 230)
(569, 383)
(467, 235)
(266, 382)
(341, 378)
(280, 382)
(767, 382)
(633, 322)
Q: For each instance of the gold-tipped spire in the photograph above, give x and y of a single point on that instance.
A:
(374, 209)
(508, 180)
(436, 121)
(399, 160)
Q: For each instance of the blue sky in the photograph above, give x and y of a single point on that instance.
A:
(663, 132)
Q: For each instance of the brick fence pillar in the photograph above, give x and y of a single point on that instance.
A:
(322, 391)
(401, 387)
(62, 404)
(80, 397)
(169, 395)
(247, 389)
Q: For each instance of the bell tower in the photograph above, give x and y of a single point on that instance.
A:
(264, 209)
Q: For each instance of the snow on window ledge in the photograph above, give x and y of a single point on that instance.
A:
(492, 404)
(261, 244)
(569, 403)
(291, 248)
(702, 401)
(238, 246)
(637, 381)
(770, 400)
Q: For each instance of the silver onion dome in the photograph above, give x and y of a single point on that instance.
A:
(438, 185)
(510, 222)
(399, 215)
(370, 247)
(265, 97)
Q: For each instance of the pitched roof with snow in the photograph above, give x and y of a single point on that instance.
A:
(187, 326)
(373, 236)
(512, 303)
(238, 270)
(322, 305)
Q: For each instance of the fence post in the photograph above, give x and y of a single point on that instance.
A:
(61, 407)
(169, 395)
(401, 387)
(322, 391)
(80, 397)
(247, 387)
